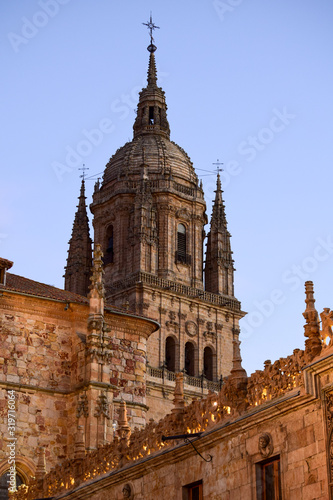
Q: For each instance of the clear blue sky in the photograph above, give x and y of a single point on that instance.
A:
(247, 82)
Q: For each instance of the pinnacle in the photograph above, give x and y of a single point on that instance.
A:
(78, 269)
(152, 73)
(82, 198)
(218, 215)
(82, 190)
(218, 183)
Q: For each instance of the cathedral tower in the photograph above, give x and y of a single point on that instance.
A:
(149, 217)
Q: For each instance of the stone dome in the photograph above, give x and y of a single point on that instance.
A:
(153, 153)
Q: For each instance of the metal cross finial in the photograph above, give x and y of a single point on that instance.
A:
(151, 26)
(83, 173)
(218, 166)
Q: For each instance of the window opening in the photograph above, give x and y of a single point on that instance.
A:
(170, 354)
(108, 257)
(269, 480)
(193, 491)
(189, 359)
(151, 115)
(181, 243)
(4, 484)
(208, 363)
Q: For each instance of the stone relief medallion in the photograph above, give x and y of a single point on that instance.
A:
(265, 444)
(191, 328)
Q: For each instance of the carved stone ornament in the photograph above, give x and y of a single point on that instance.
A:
(265, 445)
(127, 491)
(329, 411)
(326, 327)
(172, 323)
(82, 407)
(102, 407)
(329, 428)
(191, 328)
(182, 316)
(183, 213)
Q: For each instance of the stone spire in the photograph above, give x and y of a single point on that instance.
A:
(313, 344)
(151, 113)
(219, 269)
(41, 464)
(79, 446)
(123, 429)
(179, 401)
(97, 291)
(152, 73)
(238, 377)
(79, 260)
(97, 343)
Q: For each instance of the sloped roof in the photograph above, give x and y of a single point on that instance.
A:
(20, 284)
(24, 285)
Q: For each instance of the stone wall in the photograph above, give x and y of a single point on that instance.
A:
(43, 358)
(36, 362)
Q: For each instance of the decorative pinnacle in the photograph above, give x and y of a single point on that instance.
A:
(218, 183)
(309, 294)
(313, 344)
(151, 27)
(82, 190)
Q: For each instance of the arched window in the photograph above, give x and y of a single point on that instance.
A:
(4, 484)
(170, 354)
(208, 363)
(181, 244)
(189, 359)
(151, 115)
(108, 257)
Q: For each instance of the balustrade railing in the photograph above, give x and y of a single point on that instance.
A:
(221, 300)
(200, 382)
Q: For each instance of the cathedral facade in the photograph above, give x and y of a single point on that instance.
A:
(149, 216)
(129, 382)
(146, 307)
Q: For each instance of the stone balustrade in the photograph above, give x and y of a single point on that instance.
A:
(274, 381)
(150, 279)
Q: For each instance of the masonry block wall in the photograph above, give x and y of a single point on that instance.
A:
(43, 359)
(36, 361)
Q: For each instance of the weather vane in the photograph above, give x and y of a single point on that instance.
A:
(82, 176)
(218, 164)
(151, 27)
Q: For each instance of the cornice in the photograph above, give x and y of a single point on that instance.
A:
(40, 311)
(48, 390)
